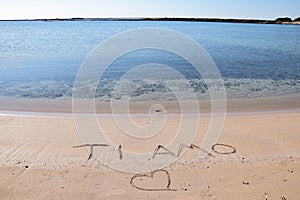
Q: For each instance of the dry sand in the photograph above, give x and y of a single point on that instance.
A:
(38, 161)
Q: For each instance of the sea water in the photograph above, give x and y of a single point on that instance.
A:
(40, 59)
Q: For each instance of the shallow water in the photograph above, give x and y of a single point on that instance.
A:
(41, 59)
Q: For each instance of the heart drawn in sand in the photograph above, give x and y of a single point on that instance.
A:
(146, 181)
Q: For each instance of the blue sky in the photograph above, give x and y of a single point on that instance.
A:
(262, 9)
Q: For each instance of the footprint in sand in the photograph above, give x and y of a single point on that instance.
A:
(5, 121)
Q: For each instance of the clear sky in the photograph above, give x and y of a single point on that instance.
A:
(259, 9)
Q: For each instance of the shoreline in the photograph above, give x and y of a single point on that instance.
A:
(213, 20)
(234, 106)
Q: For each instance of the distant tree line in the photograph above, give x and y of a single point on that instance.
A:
(297, 19)
(287, 19)
(280, 20)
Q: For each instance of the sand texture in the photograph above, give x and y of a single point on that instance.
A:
(38, 161)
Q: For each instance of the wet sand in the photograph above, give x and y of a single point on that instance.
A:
(233, 105)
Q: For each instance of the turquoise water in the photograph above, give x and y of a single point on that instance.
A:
(41, 59)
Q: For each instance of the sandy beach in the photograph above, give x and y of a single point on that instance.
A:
(38, 159)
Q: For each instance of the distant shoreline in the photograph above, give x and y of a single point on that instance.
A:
(219, 20)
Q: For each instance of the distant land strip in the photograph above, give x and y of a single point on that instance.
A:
(249, 21)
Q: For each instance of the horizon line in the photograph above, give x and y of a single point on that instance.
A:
(136, 18)
(173, 19)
